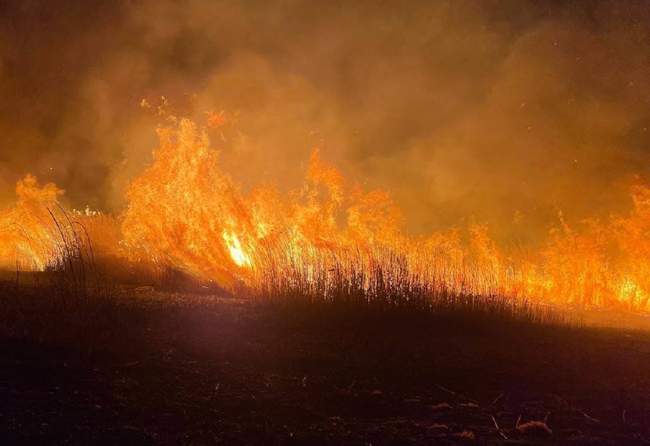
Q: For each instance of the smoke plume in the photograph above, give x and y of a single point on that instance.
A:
(500, 111)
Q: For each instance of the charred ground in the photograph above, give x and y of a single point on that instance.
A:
(153, 368)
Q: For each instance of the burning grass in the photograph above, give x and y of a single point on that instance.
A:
(351, 347)
(328, 241)
(80, 296)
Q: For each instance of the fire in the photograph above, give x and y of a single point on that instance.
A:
(236, 252)
(38, 233)
(28, 236)
(185, 212)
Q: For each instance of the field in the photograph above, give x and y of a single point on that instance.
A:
(138, 366)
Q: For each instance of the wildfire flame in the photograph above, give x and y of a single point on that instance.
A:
(236, 252)
(185, 212)
(27, 235)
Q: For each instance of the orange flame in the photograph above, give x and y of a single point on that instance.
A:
(185, 212)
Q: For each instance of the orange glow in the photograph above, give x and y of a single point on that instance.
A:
(28, 237)
(186, 213)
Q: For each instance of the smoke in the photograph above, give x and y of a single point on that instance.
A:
(499, 111)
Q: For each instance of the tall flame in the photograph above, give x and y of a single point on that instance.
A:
(185, 212)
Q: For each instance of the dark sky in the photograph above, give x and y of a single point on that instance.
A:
(458, 108)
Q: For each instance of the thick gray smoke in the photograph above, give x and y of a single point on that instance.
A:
(460, 109)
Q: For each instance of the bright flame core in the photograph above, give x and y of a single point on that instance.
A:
(236, 252)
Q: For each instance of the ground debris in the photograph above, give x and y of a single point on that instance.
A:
(533, 427)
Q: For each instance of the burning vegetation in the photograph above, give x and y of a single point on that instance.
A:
(328, 239)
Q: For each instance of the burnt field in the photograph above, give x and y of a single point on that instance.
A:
(143, 367)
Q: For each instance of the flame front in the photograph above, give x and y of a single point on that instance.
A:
(185, 213)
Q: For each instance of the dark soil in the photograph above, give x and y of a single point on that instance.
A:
(176, 370)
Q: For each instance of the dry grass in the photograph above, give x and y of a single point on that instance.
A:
(72, 299)
(383, 280)
(77, 297)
